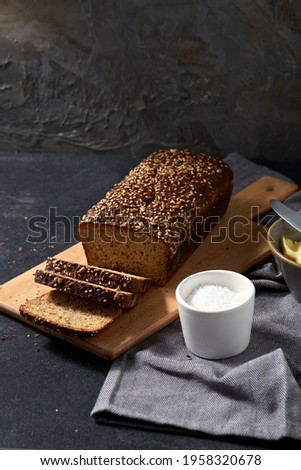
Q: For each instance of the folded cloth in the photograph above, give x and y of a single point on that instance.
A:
(257, 394)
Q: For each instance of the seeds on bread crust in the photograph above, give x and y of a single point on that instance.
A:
(87, 290)
(97, 275)
(166, 185)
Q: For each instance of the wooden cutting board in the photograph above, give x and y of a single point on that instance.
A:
(237, 243)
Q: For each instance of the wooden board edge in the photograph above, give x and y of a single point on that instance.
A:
(89, 346)
(88, 343)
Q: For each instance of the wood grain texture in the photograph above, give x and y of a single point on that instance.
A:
(237, 243)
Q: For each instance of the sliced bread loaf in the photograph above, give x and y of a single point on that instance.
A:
(85, 289)
(150, 222)
(69, 314)
(106, 277)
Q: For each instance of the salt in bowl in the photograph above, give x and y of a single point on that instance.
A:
(220, 327)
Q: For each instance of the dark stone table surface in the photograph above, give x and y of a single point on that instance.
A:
(48, 387)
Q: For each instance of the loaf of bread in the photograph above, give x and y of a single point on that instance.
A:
(85, 289)
(95, 275)
(149, 223)
(69, 314)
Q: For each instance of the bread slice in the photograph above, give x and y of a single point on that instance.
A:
(85, 289)
(69, 314)
(106, 277)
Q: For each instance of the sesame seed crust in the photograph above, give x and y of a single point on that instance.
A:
(167, 188)
(85, 289)
(95, 275)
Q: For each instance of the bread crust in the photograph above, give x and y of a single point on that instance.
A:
(96, 275)
(163, 202)
(85, 289)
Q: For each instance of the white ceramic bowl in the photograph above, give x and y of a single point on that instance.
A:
(222, 333)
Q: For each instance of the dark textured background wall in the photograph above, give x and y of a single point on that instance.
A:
(132, 76)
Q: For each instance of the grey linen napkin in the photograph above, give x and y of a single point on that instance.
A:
(255, 394)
